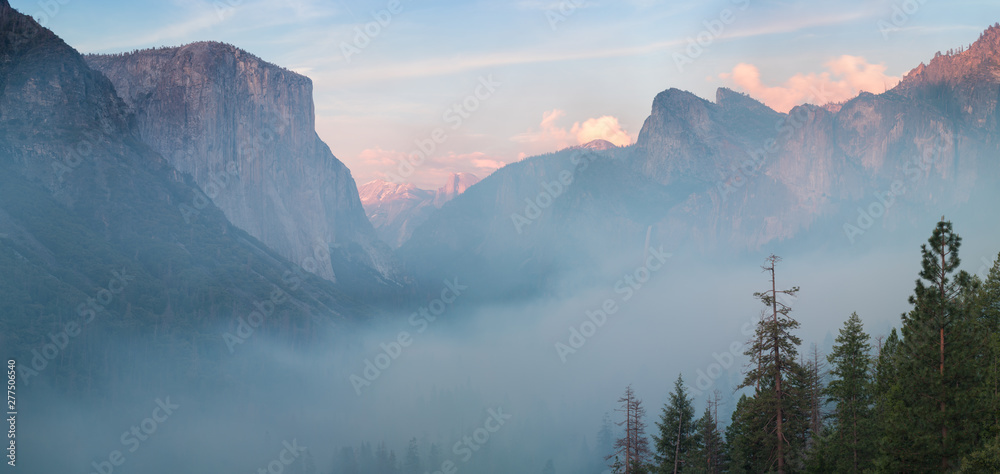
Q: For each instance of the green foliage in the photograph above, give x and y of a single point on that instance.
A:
(985, 459)
(707, 455)
(851, 444)
(678, 436)
(745, 438)
(932, 407)
(778, 379)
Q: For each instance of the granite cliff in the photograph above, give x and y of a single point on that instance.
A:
(244, 129)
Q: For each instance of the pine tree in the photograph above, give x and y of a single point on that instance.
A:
(892, 431)
(803, 380)
(987, 314)
(605, 441)
(434, 457)
(934, 400)
(348, 461)
(707, 456)
(816, 369)
(745, 446)
(366, 458)
(412, 463)
(985, 459)
(678, 436)
(307, 464)
(632, 449)
(851, 442)
(773, 353)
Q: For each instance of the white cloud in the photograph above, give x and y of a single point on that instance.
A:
(845, 77)
(551, 137)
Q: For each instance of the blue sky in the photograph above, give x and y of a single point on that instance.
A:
(568, 70)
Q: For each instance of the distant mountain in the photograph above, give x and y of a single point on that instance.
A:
(244, 129)
(598, 144)
(396, 209)
(729, 177)
(91, 233)
(457, 184)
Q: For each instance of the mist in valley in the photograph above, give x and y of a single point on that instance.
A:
(549, 369)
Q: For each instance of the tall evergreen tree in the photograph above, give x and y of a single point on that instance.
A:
(773, 353)
(707, 455)
(678, 436)
(605, 440)
(745, 445)
(347, 463)
(816, 371)
(987, 314)
(411, 465)
(892, 432)
(851, 442)
(934, 399)
(434, 457)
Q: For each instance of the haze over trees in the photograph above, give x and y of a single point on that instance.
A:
(924, 398)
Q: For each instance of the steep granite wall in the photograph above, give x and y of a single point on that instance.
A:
(245, 130)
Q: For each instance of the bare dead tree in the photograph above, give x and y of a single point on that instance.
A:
(634, 445)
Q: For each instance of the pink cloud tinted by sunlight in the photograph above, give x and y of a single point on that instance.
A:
(844, 78)
(552, 137)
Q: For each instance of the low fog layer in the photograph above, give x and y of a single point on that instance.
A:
(543, 368)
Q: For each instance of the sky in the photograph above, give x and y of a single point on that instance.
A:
(496, 82)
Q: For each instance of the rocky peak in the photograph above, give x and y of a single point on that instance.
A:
(729, 99)
(396, 209)
(457, 184)
(978, 62)
(598, 144)
(377, 191)
(244, 129)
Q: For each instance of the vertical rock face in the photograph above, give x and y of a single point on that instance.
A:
(83, 200)
(457, 184)
(245, 130)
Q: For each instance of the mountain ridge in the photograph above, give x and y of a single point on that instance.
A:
(723, 178)
(244, 129)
